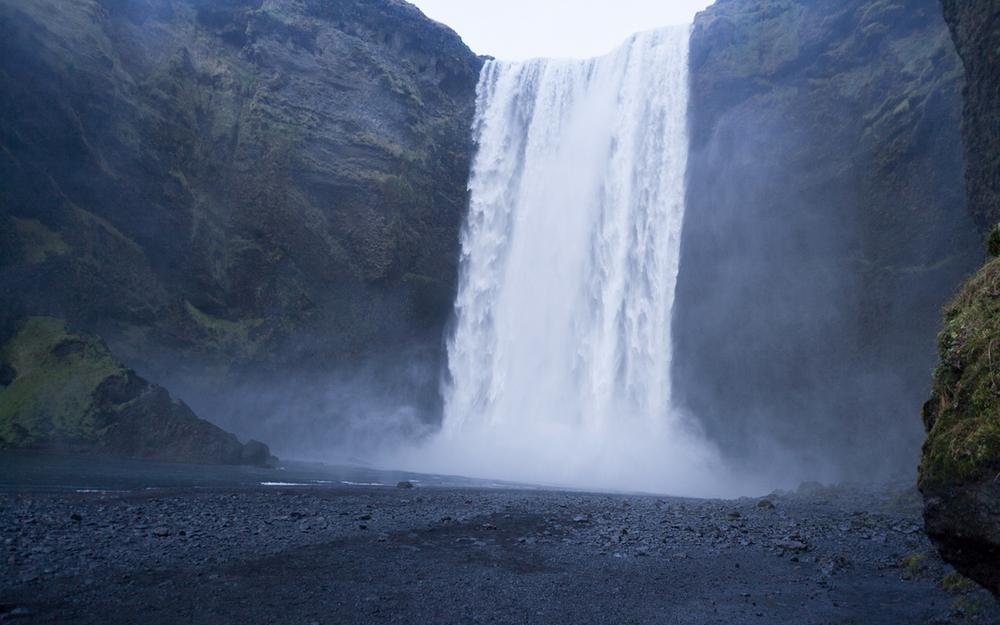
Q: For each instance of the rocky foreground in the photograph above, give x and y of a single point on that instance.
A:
(343, 553)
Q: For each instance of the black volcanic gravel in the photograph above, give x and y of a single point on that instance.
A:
(449, 555)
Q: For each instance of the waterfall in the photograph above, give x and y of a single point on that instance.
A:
(559, 360)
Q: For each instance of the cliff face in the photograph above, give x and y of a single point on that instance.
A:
(975, 26)
(826, 226)
(961, 461)
(234, 192)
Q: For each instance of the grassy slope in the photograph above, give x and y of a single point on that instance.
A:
(52, 396)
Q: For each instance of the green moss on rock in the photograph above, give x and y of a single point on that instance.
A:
(63, 390)
(51, 399)
(993, 242)
(38, 242)
(963, 415)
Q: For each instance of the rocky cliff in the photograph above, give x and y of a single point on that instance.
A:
(235, 193)
(975, 26)
(961, 460)
(826, 226)
(62, 390)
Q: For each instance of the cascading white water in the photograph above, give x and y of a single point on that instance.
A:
(570, 254)
(559, 364)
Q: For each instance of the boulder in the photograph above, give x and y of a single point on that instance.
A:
(961, 461)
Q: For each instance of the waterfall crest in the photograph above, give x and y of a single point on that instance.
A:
(559, 362)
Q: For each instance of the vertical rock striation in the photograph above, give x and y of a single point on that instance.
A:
(826, 226)
(975, 27)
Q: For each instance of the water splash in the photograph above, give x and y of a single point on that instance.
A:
(559, 364)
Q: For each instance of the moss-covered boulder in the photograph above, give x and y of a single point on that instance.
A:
(960, 472)
(65, 391)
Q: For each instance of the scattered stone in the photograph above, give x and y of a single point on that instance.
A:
(19, 612)
(161, 532)
(76, 517)
(791, 545)
(830, 566)
(765, 504)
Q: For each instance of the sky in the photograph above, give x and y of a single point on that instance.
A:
(515, 30)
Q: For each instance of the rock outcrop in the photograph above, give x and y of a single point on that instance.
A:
(65, 391)
(236, 194)
(961, 462)
(975, 27)
(826, 227)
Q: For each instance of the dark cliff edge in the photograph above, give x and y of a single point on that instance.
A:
(246, 200)
(826, 226)
(65, 391)
(961, 462)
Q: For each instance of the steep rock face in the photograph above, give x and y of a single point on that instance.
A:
(63, 390)
(234, 192)
(975, 26)
(826, 226)
(961, 461)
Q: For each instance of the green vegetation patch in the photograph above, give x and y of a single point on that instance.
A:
(963, 414)
(956, 583)
(38, 242)
(914, 564)
(51, 398)
(233, 336)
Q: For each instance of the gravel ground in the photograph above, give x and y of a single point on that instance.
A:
(363, 554)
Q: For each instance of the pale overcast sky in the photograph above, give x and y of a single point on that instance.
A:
(521, 29)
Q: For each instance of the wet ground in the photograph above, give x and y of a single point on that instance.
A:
(120, 542)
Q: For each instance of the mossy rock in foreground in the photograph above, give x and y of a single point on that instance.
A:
(960, 470)
(60, 390)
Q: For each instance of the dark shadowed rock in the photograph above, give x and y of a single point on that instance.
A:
(256, 453)
(7, 374)
(975, 26)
